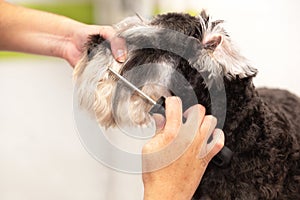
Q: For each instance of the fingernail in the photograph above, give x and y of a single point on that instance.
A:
(121, 55)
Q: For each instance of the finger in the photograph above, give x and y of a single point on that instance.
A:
(194, 115)
(118, 48)
(118, 45)
(216, 144)
(159, 122)
(207, 127)
(173, 115)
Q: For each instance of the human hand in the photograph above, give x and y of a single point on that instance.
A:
(180, 178)
(73, 50)
(48, 34)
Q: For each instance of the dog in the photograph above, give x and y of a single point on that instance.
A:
(193, 57)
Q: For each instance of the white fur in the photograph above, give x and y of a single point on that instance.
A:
(133, 109)
(225, 60)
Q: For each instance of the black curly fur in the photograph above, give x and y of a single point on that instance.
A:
(261, 127)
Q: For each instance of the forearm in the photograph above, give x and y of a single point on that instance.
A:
(33, 31)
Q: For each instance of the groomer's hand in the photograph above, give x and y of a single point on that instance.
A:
(175, 159)
(33, 31)
(73, 50)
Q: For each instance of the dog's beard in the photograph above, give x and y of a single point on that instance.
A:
(117, 104)
(129, 108)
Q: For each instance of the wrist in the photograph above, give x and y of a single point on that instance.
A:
(70, 46)
(165, 192)
(157, 194)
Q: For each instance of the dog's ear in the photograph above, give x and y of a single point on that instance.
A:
(219, 56)
(92, 83)
(93, 42)
(210, 39)
(212, 42)
(92, 46)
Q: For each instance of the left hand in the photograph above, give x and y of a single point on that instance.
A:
(73, 49)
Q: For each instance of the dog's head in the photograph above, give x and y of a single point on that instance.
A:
(172, 54)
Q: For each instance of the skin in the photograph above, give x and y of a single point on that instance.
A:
(37, 32)
(180, 179)
(31, 31)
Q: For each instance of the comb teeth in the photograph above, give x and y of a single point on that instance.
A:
(140, 92)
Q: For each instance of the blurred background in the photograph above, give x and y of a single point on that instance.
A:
(41, 156)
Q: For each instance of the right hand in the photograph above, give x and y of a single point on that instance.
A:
(181, 177)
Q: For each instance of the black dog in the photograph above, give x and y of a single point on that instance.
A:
(261, 126)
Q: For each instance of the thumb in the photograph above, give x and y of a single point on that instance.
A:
(118, 48)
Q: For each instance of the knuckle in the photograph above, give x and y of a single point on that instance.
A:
(146, 148)
(170, 136)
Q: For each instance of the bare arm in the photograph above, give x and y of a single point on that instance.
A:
(32, 31)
